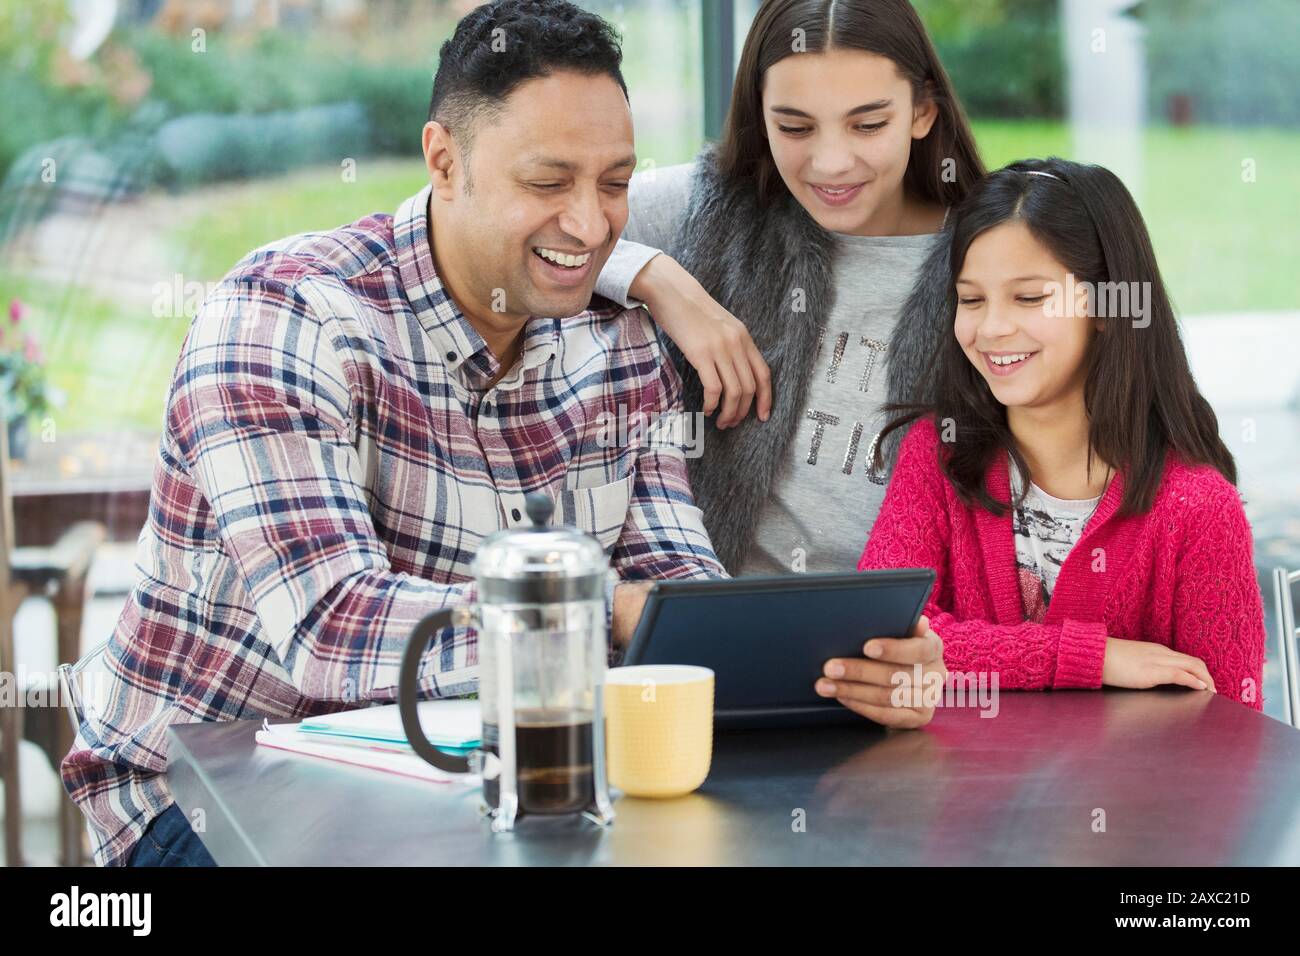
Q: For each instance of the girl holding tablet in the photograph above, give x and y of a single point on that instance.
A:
(1068, 483)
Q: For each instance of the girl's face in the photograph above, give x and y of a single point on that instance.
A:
(1021, 319)
(840, 126)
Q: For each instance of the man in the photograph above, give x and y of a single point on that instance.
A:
(354, 411)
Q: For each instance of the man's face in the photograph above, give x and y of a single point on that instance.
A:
(549, 177)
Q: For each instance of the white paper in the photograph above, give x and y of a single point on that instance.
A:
(451, 723)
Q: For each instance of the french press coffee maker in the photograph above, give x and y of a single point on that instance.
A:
(541, 626)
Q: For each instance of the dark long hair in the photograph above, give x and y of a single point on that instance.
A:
(943, 166)
(1141, 399)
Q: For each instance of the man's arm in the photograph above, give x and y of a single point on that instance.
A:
(664, 534)
(260, 409)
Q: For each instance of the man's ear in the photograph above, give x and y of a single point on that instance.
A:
(441, 157)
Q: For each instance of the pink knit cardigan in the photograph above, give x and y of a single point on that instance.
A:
(1181, 575)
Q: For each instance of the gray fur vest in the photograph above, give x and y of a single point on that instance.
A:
(772, 269)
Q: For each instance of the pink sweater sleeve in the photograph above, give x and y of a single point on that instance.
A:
(1218, 611)
(913, 530)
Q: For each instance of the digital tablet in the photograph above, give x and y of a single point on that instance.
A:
(766, 639)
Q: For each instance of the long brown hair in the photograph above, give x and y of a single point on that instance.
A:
(1141, 398)
(889, 28)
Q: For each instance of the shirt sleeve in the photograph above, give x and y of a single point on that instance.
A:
(912, 531)
(260, 408)
(1218, 609)
(664, 534)
(657, 203)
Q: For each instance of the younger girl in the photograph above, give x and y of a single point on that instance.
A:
(1068, 484)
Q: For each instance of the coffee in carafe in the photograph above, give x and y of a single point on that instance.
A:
(553, 760)
(542, 648)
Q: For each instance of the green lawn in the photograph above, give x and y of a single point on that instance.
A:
(312, 199)
(1223, 245)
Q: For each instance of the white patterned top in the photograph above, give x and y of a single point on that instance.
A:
(1045, 529)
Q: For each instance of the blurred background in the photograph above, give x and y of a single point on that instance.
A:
(147, 145)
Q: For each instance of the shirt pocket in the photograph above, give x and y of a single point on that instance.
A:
(599, 510)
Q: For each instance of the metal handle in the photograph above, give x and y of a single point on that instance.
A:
(408, 692)
(72, 697)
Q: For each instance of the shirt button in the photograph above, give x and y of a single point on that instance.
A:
(514, 513)
(487, 408)
(451, 356)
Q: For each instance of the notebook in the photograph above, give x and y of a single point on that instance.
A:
(450, 724)
(372, 738)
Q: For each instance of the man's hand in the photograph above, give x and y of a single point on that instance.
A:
(714, 341)
(629, 600)
(866, 686)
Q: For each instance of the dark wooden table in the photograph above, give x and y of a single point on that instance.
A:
(104, 478)
(1168, 777)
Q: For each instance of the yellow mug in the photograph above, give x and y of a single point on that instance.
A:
(658, 728)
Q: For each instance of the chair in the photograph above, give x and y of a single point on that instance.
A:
(81, 705)
(11, 712)
(1283, 581)
(57, 572)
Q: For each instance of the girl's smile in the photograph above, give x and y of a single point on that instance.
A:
(837, 195)
(1006, 363)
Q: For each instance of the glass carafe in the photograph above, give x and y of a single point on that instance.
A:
(542, 643)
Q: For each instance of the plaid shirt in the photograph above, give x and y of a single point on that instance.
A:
(330, 463)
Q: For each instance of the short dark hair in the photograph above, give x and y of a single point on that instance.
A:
(500, 45)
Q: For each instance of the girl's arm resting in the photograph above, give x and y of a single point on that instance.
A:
(732, 371)
(1025, 656)
(1218, 611)
(622, 267)
(656, 205)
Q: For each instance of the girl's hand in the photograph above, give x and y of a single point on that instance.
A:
(868, 686)
(1142, 664)
(714, 341)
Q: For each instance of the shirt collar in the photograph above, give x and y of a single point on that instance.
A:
(455, 339)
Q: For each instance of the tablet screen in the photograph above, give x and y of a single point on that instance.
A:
(767, 638)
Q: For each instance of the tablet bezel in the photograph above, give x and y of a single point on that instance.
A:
(666, 590)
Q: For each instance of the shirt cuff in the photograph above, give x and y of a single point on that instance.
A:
(1080, 654)
(621, 269)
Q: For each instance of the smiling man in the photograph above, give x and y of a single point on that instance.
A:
(354, 411)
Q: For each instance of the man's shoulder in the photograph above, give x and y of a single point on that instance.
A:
(616, 324)
(302, 282)
(614, 347)
(289, 294)
(340, 255)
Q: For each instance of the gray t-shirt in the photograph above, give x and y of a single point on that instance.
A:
(825, 498)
